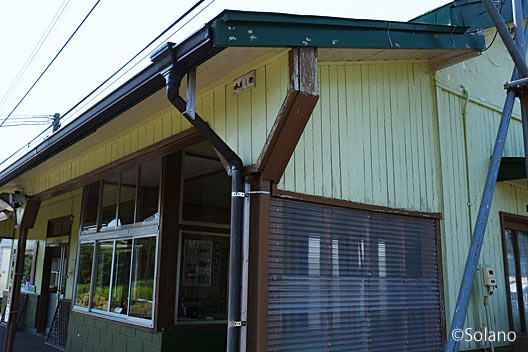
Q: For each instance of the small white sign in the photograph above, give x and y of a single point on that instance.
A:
(243, 83)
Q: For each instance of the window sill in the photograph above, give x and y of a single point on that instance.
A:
(135, 323)
(140, 229)
(200, 322)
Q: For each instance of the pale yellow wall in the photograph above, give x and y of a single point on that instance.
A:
(243, 121)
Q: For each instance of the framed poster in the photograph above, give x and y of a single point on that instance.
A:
(197, 260)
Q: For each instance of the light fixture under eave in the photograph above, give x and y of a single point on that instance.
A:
(5, 206)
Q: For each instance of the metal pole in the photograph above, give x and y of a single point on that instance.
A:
(233, 314)
(14, 297)
(520, 41)
(524, 110)
(488, 320)
(457, 324)
(502, 29)
(173, 78)
(518, 22)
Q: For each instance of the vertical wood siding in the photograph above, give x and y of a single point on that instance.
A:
(482, 124)
(371, 138)
(243, 121)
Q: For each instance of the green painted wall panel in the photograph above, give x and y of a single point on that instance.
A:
(482, 77)
(371, 137)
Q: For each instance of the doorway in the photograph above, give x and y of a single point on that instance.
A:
(53, 284)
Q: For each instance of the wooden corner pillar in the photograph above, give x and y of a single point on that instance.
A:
(27, 222)
(258, 268)
(303, 94)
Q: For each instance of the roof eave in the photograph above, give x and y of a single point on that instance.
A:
(270, 30)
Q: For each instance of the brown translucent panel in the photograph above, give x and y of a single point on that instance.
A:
(206, 190)
(91, 203)
(84, 275)
(127, 198)
(148, 191)
(109, 202)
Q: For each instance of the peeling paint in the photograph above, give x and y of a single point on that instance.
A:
(250, 31)
(305, 43)
(335, 41)
(232, 38)
(252, 37)
(308, 39)
(397, 45)
(231, 28)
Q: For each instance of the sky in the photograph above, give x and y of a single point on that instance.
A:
(114, 32)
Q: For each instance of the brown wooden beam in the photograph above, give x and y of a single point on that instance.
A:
(258, 271)
(13, 303)
(164, 309)
(302, 96)
(27, 222)
(30, 214)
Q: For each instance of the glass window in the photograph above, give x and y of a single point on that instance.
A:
(116, 210)
(121, 277)
(109, 202)
(142, 290)
(102, 275)
(127, 198)
(91, 203)
(148, 192)
(516, 267)
(122, 201)
(512, 278)
(84, 275)
(206, 190)
(203, 278)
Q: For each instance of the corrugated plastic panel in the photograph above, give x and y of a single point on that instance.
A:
(351, 280)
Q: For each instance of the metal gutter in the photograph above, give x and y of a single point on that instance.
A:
(469, 13)
(189, 53)
(267, 30)
(238, 28)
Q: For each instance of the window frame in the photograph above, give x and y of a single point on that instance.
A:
(182, 221)
(106, 313)
(98, 228)
(514, 223)
(178, 279)
(136, 230)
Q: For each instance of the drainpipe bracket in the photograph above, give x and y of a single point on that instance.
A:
(236, 323)
(247, 194)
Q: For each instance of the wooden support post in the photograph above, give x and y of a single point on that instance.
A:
(303, 94)
(27, 222)
(258, 271)
(14, 294)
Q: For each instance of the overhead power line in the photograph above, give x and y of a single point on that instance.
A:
(198, 3)
(136, 55)
(49, 29)
(51, 62)
(76, 106)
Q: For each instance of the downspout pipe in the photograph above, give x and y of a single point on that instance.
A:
(173, 73)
